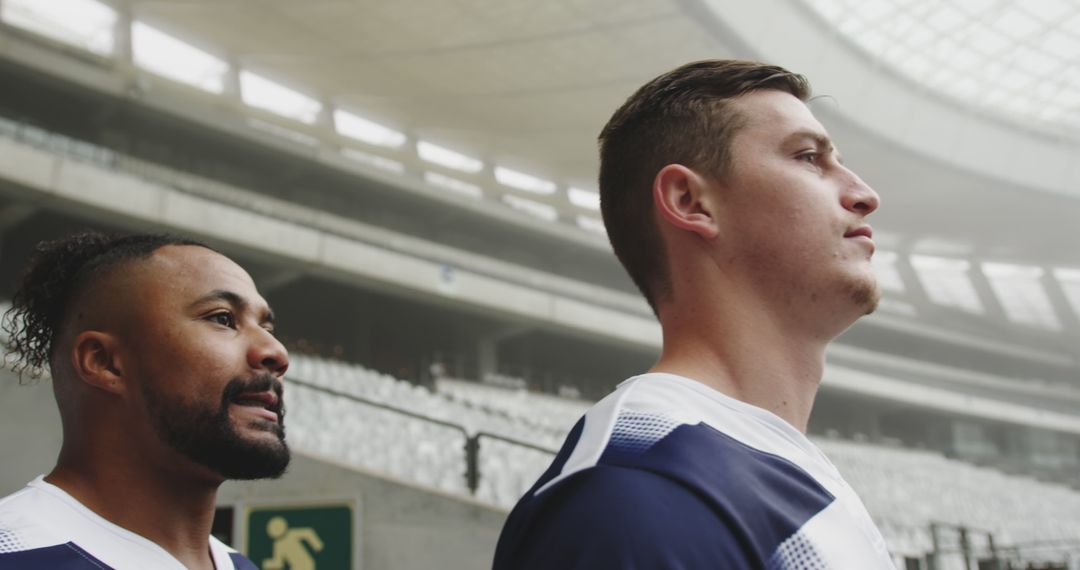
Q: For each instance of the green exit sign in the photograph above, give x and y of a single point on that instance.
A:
(301, 537)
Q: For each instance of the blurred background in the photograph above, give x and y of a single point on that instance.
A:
(412, 185)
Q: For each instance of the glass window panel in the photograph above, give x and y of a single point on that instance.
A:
(874, 10)
(989, 41)
(443, 156)
(946, 282)
(888, 276)
(1070, 284)
(1021, 294)
(1066, 47)
(260, 92)
(165, 55)
(1016, 24)
(523, 181)
(545, 212)
(85, 24)
(1049, 10)
(1017, 55)
(454, 185)
(874, 41)
(589, 199)
(975, 7)
(362, 129)
(947, 19)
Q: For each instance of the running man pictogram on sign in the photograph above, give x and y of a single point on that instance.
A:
(289, 546)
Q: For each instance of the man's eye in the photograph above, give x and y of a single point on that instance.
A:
(223, 319)
(810, 157)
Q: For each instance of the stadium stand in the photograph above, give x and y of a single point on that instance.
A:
(905, 489)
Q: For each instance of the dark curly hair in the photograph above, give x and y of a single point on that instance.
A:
(56, 273)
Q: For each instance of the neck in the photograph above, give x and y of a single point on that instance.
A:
(738, 350)
(167, 506)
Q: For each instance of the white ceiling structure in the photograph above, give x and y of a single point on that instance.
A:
(965, 116)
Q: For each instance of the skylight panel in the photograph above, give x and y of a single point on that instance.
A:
(540, 210)
(888, 276)
(989, 41)
(522, 181)
(260, 92)
(1070, 285)
(1062, 46)
(1011, 60)
(1017, 24)
(443, 156)
(588, 199)
(1021, 294)
(947, 19)
(591, 224)
(361, 129)
(1050, 10)
(374, 160)
(873, 10)
(86, 24)
(454, 185)
(946, 282)
(874, 41)
(829, 9)
(165, 55)
(974, 7)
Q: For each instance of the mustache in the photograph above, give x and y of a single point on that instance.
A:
(258, 383)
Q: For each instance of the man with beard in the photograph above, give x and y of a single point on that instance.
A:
(729, 206)
(168, 379)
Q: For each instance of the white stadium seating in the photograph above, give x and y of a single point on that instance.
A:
(904, 489)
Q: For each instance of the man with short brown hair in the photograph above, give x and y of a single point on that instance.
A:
(729, 206)
(168, 379)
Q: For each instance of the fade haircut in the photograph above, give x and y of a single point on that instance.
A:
(58, 273)
(682, 117)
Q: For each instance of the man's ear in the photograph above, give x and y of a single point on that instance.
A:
(681, 198)
(95, 360)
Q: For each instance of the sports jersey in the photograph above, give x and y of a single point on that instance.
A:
(667, 473)
(41, 526)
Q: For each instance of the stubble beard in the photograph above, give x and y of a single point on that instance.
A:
(208, 437)
(866, 294)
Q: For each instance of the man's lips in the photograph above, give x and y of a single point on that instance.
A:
(863, 231)
(266, 404)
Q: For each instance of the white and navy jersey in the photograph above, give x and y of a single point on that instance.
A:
(667, 473)
(41, 526)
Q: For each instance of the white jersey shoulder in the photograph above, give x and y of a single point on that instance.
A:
(42, 515)
(667, 401)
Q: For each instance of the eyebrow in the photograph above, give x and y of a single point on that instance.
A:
(239, 303)
(823, 142)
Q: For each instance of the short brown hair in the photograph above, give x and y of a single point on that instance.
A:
(682, 117)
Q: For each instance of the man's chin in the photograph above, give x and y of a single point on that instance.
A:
(866, 295)
(261, 459)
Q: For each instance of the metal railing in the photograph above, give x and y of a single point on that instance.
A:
(471, 448)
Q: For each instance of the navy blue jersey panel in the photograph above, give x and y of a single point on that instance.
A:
(242, 563)
(511, 534)
(59, 557)
(766, 495)
(608, 518)
(560, 458)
